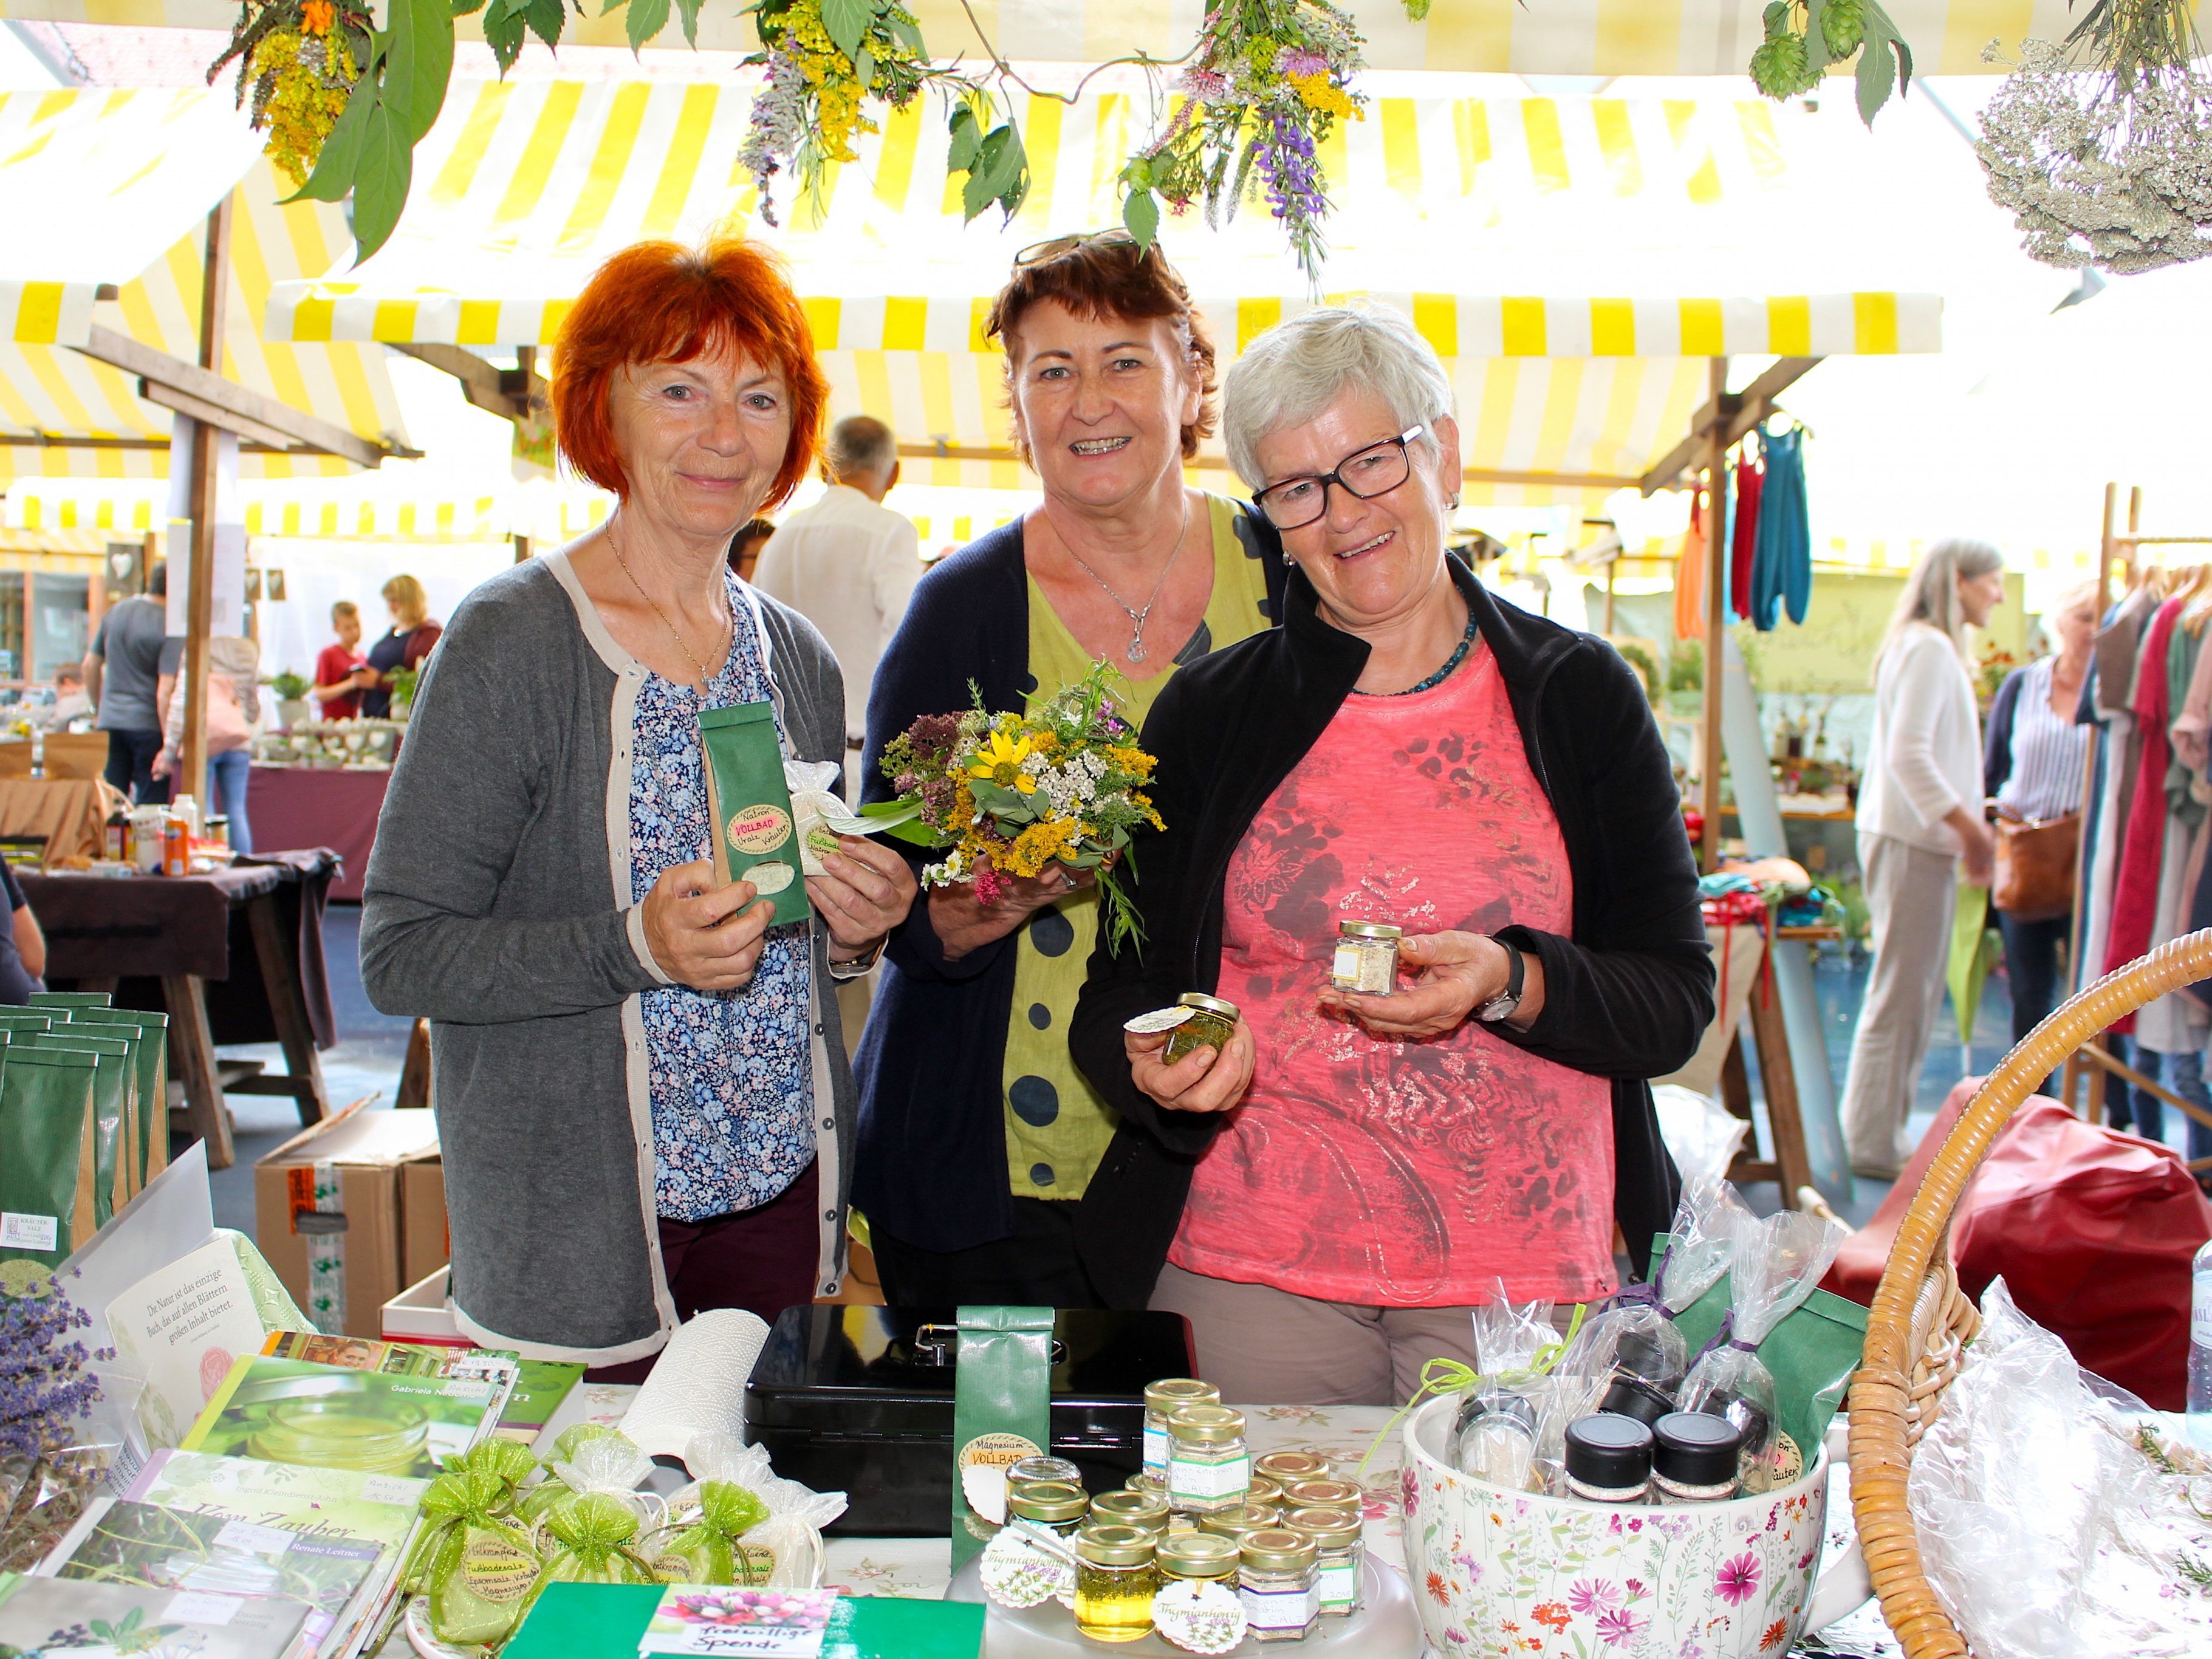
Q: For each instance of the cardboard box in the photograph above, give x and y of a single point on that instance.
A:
(419, 1314)
(330, 1209)
(425, 1246)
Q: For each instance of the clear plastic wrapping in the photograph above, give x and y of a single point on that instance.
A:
(1495, 1436)
(1635, 1343)
(792, 1533)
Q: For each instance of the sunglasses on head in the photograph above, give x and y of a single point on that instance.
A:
(1037, 253)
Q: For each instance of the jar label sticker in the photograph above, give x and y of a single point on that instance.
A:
(1160, 1020)
(1786, 1463)
(983, 1462)
(1285, 1609)
(1199, 1618)
(770, 877)
(496, 1569)
(1017, 1574)
(760, 829)
(1188, 1478)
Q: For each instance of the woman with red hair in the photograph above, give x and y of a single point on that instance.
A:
(643, 1100)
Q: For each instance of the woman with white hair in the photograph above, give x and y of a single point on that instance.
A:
(1921, 825)
(1328, 1194)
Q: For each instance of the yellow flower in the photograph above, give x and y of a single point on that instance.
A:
(999, 761)
(1039, 845)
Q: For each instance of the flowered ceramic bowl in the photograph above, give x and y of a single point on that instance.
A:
(1505, 1574)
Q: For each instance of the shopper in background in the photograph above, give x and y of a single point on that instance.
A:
(1921, 829)
(412, 636)
(71, 700)
(2033, 766)
(342, 673)
(23, 946)
(121, 671)
(234, 710)
(745, 548)
(978, 1136)
(849, 563)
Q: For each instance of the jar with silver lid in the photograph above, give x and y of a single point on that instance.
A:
(1209, 1466)
(1211, 1024)
(1366, 957)
(1161, 1398)
(1278, 1581)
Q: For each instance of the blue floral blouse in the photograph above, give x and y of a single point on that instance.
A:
(733, 1074)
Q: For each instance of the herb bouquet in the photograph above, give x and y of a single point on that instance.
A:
(1010, 793)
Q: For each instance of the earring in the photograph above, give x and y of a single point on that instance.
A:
(1287, 559)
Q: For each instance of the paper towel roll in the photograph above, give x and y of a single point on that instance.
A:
(698, 1383)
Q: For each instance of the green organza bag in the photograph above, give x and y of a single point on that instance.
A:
(477, 1569)
(509, 1460)
(592, 1535)
(703, 1547)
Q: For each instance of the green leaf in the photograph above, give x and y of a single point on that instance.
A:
(545, 18)
(1876, 73)
(905, 30)
(467, 7)
(646, 19)
(502, 32)
(419, 64)
(1140, 213)
(980, 192)
(967, 137)
(1777, 19)
(998, 801)
(1817, 55)
(846, 23)
(688, 9)
(379, 187)
(341, 157)
(885, 813)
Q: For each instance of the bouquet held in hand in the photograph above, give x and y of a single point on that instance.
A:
(1008, 794)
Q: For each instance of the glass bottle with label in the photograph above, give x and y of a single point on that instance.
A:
(1160, 1399)
(1366, 958)
(1278, 1581)
(1209, 1466)
(1115, 1580)
(1340, 1538)
(1212, 1022)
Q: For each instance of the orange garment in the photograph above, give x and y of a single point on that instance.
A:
(1690, 577)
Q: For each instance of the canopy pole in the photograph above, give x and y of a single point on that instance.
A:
(199, 617)
(1717, 569)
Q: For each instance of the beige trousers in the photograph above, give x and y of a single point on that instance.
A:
(1911, 897)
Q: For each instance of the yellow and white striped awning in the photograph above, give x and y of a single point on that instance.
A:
(331, 510)
(1552, 37)
(47, 388)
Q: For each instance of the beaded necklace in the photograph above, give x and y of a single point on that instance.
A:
(1466, 645)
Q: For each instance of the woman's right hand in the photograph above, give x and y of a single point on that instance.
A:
(1978, 847)
(704, 936)
(964, 922)
(1204, 1080)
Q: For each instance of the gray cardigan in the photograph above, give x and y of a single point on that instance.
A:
(498, 905)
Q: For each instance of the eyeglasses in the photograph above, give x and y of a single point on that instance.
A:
(1375, 470)
(1037, 253)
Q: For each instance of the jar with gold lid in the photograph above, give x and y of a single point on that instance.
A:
(1211, 1024)
(1202, 1557)
(1278, 1581)
(1324, 1495)
(1285, 1467)
(1245, 1518)
(1209, 1466)
(1340, 1536)
(1366, 958)
(1265, 1491)
(1160, 1399)
(1050, 1504)
(1115, 1580)
(1145, 1510)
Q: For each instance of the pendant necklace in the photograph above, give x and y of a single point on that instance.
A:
(706, 680)
(1138, 618)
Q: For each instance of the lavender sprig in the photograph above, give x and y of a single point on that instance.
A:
(777, 126)
(1285, 154)
(44, 1385)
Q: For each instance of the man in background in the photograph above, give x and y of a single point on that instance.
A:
(120, 672)
(848, 565)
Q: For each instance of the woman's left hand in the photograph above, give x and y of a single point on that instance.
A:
(1454, 975)
(865, 893)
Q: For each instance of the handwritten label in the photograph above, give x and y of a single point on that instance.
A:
(201, 1608)
(759, 829)
(769, 1623)
(28, 1232)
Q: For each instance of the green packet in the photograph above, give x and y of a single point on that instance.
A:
(1811, 1354)
(49, 1151)
(111, 1102)
(749, 803)
(1002, 1406)
(150, 1034)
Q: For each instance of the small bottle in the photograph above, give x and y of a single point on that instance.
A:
(1241, 1523)
(1042, 1471)
(1115, 1580)
(1140, 1509)
(1199, 1556)
(1278, 1581)
(187, 809)
(1366, 957)
(2199, 1420)
(1694, 1458)
(1340, 1538)
(1212, 1022)
(1285, 1468)
(1324, 1495)
(176, 847)
(218, 829)
(149, 831)
(1161, 1398)
(1050, 1504)
(1209, 1467)
(115, 845)
(1608, 1459)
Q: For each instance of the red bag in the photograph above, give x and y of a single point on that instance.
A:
(2094, 1230)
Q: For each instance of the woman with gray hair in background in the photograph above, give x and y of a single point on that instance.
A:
(1327, 1193)
(1921, 825)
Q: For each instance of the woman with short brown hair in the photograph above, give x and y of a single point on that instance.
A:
(412, 636)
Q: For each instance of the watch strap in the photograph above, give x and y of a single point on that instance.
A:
(1506, 1002)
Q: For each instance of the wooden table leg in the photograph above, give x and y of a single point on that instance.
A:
(414, 1074)
(287, 1007)
(192, 1058)
(1778, 1079)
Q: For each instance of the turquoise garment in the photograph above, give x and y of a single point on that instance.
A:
(1782, 557)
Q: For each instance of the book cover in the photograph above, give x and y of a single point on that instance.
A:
(183, 1328)
(608, 1621)
(501, 1369)
(57, 1619)
(294, 1411)
(760, 1624)
(352, 1503)
(544, 1383)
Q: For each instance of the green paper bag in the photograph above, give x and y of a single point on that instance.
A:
(149, 1035)
(31, 1019)
(111, 1102)
(72, 999)
(750, 805)
(1002, 1404)
(48, 1152)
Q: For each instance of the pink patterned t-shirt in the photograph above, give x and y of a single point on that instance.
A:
(1374, 1171)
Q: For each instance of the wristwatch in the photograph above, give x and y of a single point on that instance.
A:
(860, 966)
(1507, 1001)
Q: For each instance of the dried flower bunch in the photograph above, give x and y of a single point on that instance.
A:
(47, 1475)
(298, 60)
(2101, 146)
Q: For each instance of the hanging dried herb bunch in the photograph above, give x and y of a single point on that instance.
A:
(47, 1475)
(2101, 146)
(298, 61)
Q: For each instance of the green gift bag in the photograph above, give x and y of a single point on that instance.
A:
(477, 1569)
(48, 1153)
(704, 1550)
(110, 1102)
(72, 999)
(149, 1035)
(749, 803)
(1002, 1404)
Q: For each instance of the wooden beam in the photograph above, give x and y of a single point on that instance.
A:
(1736, 413)
(208, 413)
(507, 393)
(85, 441)
(302, 429)
(1716, 573)
(199, 610)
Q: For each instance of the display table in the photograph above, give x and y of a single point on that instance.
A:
(70, 813)
(233, 957)
(319, 807)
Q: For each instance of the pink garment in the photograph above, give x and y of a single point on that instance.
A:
(2134, 890)
(1372, 1170)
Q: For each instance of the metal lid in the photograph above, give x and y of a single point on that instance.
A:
(1608, 1450)
(1151, 1485)
(1368, 930)
(1696, 1449)
(1278, 1549)
(1206, 1425)
(1205, 1003)
(1264, 1491)
(1285, 1466)
(1324, 1495)
(1197, 1555)
(1245, 1518)
(1332, 1529)
(1131, 1509)
(1170, 1392)
(1052, 1502)
(1114, 1546)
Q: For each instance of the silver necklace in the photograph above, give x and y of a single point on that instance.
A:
(1137, 618)
(706, 680)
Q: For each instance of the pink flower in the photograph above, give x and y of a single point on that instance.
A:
(1412, 1488)
(1618, 1629)
(1636, 1590)
(1594, 1596)
(1738, 1579)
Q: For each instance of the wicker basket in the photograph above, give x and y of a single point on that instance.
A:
(1921, 1321)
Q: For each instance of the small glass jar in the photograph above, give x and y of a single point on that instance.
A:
(1324, 1495)
(1286, 1468)
(1043, 1472)
(1141, 1509)
(1608, 1459)
(1264, 1492)
(1212, 1022)
(1050, 1504)
(1239, 1523)
(1162, 1398)
(1209, 1467)
(1366, 957)
(1694, 1458)
(1278, 1581)
(1199, 1556)
(1341, 1538)
(336, 1433)
(1115, 1579)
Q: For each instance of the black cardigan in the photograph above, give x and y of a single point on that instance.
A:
(931, 1154)
(1627, 997)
